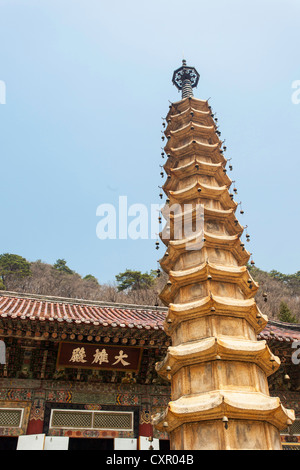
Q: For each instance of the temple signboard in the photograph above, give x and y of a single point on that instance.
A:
(94, 356)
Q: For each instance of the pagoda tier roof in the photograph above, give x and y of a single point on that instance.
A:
(215, 170)
(192, 149)
(200, 191)
(174, 159)
(216, 305)
(176, 248)
(209, 272)
(226, 216)
(189, 114)
(191, 215)
(210, 240)
(219, 403)
(193, 146)
(48, 309)
(190, 107)
(188, 103)
(192, 128)
(229, 348)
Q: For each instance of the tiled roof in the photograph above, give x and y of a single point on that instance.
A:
(283, 332)
(46, 308)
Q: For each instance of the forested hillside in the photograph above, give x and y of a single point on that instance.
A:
(278, 296)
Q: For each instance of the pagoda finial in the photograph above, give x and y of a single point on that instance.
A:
(185, 79)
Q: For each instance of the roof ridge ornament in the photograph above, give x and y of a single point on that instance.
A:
(185, 79)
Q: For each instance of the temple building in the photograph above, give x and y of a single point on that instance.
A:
(205, 371)
(66, 380)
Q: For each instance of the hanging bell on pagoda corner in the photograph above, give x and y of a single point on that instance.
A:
(225, 421)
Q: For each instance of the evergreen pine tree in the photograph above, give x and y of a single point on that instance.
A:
(285, 314)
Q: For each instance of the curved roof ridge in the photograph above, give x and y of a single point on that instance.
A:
(285, 325)
(79, 301)
(143, 314)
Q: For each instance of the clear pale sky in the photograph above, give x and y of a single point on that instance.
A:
(87, 84)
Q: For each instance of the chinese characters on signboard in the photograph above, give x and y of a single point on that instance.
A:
(99, 357)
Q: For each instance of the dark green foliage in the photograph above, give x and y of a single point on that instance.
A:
(134, 280)
(13, 266)
(61, 266)
(285, 314)
(91, 278)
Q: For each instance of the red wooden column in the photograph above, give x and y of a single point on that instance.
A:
(145, 426)
(36, 419)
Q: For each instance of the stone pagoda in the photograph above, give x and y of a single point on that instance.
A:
(217, 368)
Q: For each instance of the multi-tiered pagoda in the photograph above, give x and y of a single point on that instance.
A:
(217, 368)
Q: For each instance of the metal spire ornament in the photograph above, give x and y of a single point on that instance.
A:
(185, 79)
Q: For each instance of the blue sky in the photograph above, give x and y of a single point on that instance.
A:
(87, 83)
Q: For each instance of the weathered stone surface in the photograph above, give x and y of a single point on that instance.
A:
(217, 368)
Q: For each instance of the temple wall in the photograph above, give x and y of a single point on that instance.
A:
(40, 397)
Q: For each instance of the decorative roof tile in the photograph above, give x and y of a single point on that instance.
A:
(280, 331)
(31, 306)
(37, 307)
